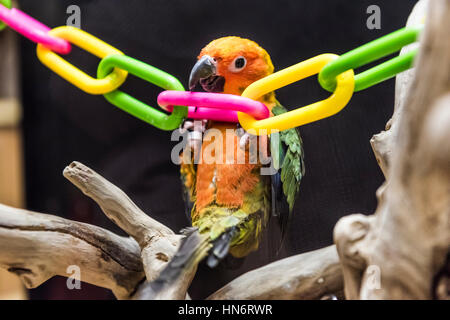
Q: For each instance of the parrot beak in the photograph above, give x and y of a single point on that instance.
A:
(205, 73)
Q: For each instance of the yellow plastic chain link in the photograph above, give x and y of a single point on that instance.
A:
(74, 75)
(313, 112)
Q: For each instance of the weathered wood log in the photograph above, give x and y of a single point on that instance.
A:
(310, 275)
(157, 242)
(399, 252)
(38, 246)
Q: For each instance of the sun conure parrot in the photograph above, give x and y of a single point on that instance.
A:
(230, 204)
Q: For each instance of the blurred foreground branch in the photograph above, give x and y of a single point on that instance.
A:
(402, 251)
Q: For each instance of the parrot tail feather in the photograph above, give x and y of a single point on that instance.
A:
(193, 248)
(220, 247)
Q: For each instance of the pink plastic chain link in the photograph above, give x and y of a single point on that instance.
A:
(32, 29)
(213, 106)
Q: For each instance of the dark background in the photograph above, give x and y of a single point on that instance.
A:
(63, 124)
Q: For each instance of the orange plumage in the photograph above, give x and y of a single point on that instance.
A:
(225, 184)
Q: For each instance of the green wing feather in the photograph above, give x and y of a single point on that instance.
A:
(289, 159)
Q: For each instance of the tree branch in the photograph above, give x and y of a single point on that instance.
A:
(310, 275)
(158, 243)
(37, 247)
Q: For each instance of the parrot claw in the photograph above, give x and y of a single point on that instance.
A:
(244, 138)
(244, 141)
(196, 125)
(195, 131)
(187, 125)
(240, 131)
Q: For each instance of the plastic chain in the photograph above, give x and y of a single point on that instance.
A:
(74, 75)
(7, 5)
(301, 116)
(135, 107)
(213, 106)
(370, 52)
(33, 29)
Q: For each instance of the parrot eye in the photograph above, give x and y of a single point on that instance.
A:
(238, 64)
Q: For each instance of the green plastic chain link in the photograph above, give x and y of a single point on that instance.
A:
(135, 107)
(370, 52)
(6, 3)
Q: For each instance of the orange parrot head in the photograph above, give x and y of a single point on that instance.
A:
(229, 65)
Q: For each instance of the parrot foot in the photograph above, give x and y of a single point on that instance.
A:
(244, 139)
(195, 131)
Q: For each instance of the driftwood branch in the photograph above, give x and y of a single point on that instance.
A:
(400, 252)
(157, 242)
(311, 275)
(38, 246)
(118, 207)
